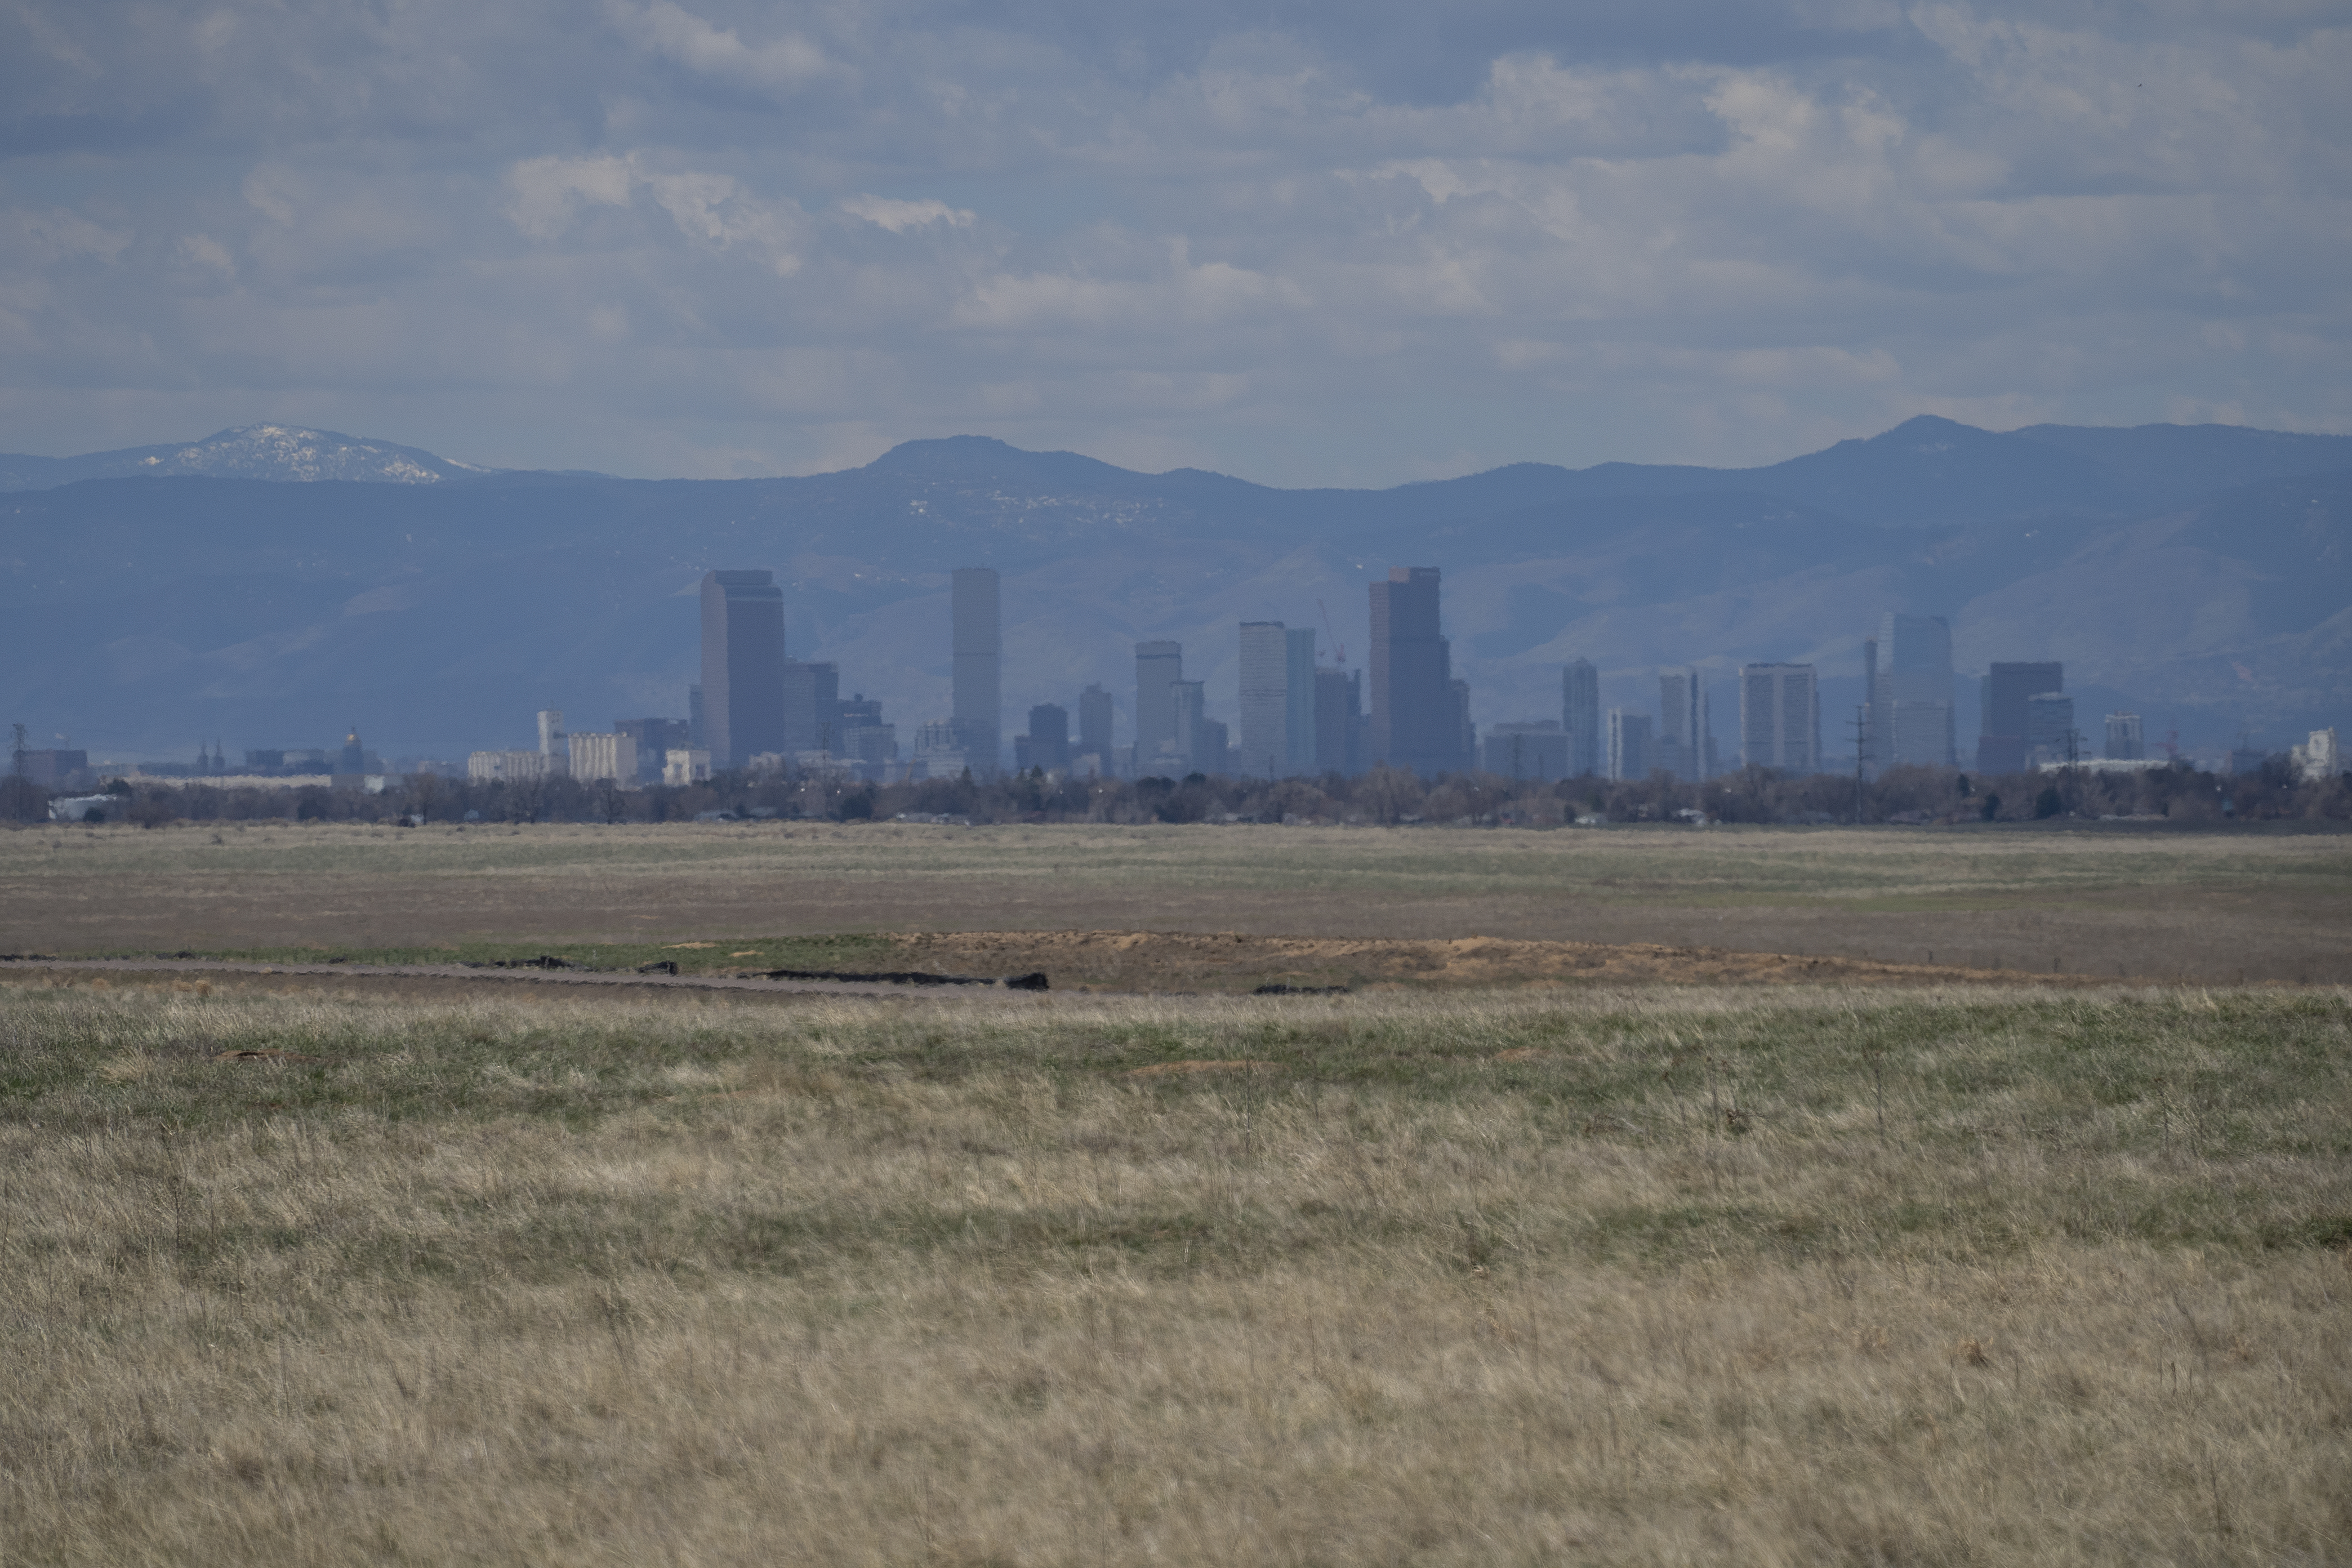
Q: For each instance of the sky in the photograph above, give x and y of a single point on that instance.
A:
(1302, 242)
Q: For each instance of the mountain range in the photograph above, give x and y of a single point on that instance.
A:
(275, 585)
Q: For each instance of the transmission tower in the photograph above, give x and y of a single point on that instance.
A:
(1861, 758)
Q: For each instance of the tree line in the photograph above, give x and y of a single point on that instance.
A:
(1383, 796)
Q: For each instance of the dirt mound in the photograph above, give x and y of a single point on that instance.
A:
(1231, 961)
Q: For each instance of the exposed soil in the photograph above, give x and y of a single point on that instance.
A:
(1235, 960)
(1129, 961)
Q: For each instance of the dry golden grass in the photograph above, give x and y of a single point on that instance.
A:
(1664, 1276)
(2221, 906)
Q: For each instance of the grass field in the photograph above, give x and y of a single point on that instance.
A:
(2215, 907)
(1668, 1275)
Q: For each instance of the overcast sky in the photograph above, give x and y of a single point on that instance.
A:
(1307, 243)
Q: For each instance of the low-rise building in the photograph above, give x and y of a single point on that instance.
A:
(1536, 749)
(2050, 734)
(506, 767)
(603, 757)
(2126, 742)
(54, 768)
(686, 766)
(2319, 757)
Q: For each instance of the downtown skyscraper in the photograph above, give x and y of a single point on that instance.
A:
(1908, 671)
(1277, 707)
(1158, 667)
(742, 666)
(1780, 718)
(975, 614)
(1580, 716)
(1421, 718)
(1684, 743)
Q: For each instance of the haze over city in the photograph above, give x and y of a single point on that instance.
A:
(1678, 338)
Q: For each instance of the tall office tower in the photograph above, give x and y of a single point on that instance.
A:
(1094, 726)
(2125, 743)
(1159, 665)
(1580, 716)
(1629, 744)
(2050, 729)
(979, 664)
(694, 716)
(812, 707)
(742, 666)
(1047, 743)
(1265, 699)
(1298, 688)
(1780, 718)
(1338, 720)
(1418, 716)
(1874, 749)
(1200, 740)
(1910, 717)
(2000, 744)
(1684, 743)
(551, 732)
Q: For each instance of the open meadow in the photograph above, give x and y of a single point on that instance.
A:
(2222, 906)
(1671, 1275)
(1658, 1197)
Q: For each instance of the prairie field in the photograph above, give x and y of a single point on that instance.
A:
(1660, 1274)
(2113, 901)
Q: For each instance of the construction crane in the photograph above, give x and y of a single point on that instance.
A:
(1338, 654)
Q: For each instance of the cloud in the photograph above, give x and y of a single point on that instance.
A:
(898, 217)
(546, 191)
(785, 63)
(1303, 246)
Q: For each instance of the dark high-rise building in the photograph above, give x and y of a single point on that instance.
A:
(656, 739)
(1780, 716)
(1683, 743)
(1047, 743)
(1159, 665)
(1338, 720)
(2007, 689)
(1420, 713)
(742, 666)
(974, 611)
(1299, 691)
(1580, 716)
(812, 707)
(1094, 727)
